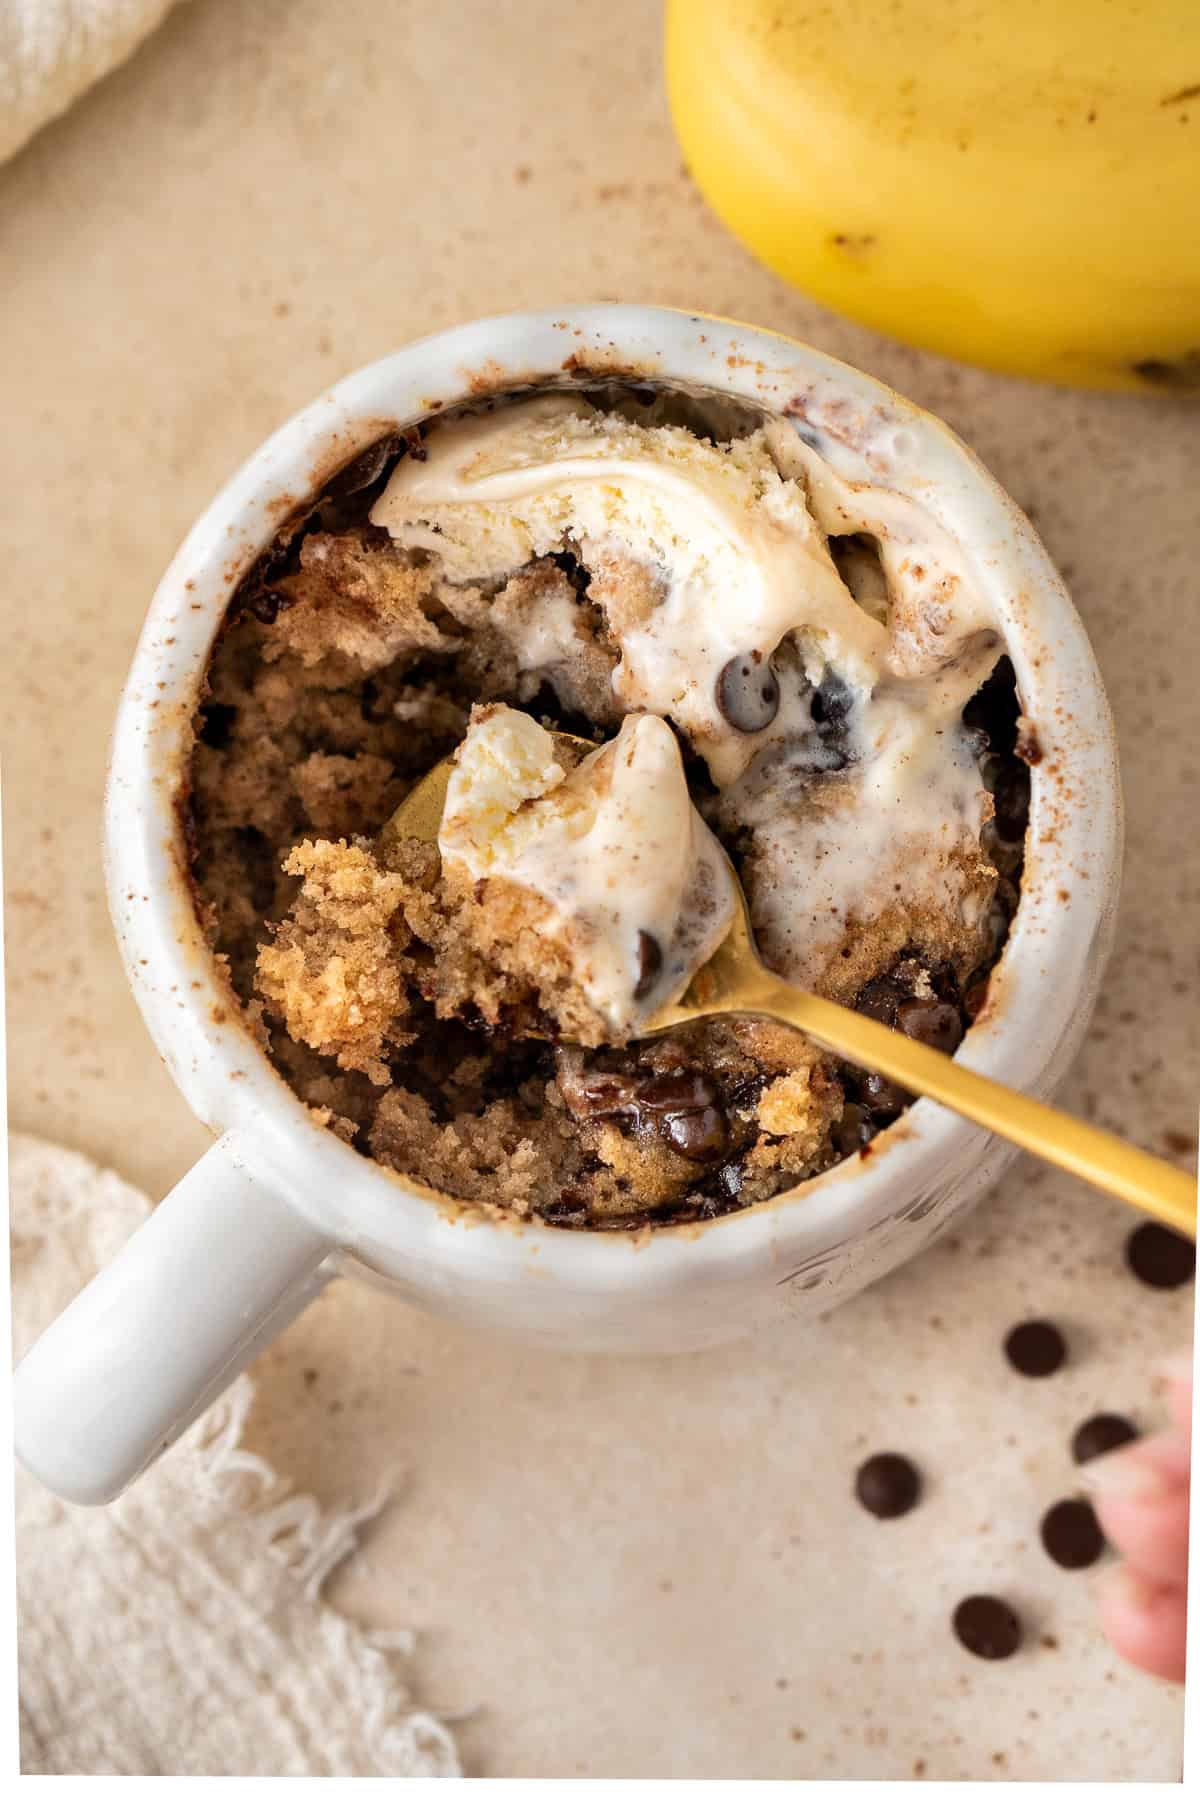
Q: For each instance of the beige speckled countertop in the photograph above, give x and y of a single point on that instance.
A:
(634, 1568)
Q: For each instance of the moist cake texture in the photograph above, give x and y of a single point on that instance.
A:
(755, 654)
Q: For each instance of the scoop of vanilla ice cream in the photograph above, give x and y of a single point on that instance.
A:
(739, 558)
(638, 886)
(748, 639)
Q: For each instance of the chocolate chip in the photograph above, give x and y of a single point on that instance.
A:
(987, 1627)
(883, 1096)
(1100, 1434)
(700, 1136)
(650, 962)
(1160, 1257)
(1071, 1535)
(833, 701)
(881, 999)
(746, 1093)
(888, 1485)
(682, 1089)
(932, 1022)
(599, 1095)
(748, 693)
(1035, 1348)
(680, 1107)
(216, 724)
(854, 1129)
(267, 606)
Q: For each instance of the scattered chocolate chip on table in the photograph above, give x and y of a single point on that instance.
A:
(1071, 1534)
(888, 1485)
(1100, 1434)
(1036, 1348)
(1159, 1257)
(987, 1627)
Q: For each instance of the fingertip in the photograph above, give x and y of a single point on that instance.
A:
(1178, 1373)
(1147, 1470)
(1144, 1622)
(1152, 1535)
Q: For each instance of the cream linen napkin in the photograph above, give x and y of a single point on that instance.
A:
(180, 1631)
(52, 50)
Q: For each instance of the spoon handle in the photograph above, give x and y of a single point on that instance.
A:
(1108, 1162)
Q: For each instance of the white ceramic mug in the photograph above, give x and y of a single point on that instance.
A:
(278, 1204)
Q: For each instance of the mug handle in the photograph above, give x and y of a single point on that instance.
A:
(217, 1270)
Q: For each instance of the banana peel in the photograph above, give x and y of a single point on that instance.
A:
(1014, 184)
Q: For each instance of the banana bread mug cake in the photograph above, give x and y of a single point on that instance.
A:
(781, 612)
(755, 652)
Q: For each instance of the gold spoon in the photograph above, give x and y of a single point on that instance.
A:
(734, 980)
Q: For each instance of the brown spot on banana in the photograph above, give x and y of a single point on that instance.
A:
(1179, 374)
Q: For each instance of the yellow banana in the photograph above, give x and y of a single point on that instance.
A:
(1012, 182)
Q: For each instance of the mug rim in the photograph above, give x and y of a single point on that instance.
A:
(1043, 982)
